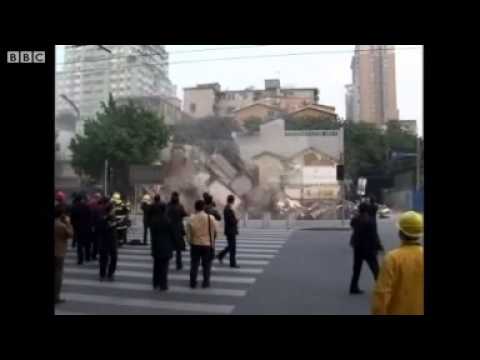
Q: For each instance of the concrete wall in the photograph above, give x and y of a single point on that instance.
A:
(204, 100)
(234, 100)
(270, 170)
(272, 138)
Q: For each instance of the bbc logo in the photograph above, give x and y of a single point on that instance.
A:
(26, 57)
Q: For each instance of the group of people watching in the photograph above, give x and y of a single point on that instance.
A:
(93, 226)
(169, 234)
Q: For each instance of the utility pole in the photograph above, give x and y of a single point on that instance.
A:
(105, 188)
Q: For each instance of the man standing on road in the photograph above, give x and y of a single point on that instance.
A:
(63, 232)
(95, 205)
(122, 214)
(201, 232)
(365, 246)
(176, 213)
(145, 206)
(161, 243)
(399, 289)
(108, 243)
(231, 232)
(82, 225)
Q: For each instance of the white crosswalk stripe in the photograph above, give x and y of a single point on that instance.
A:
(148, 265)
(132, 293)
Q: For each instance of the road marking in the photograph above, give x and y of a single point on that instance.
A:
(148, 275)
(150, 304)
(259, 243)
(149, 266)
(187, 256)
(245, 256)
(239, 251)
(144, 287)
(184, 259)
(64, 312)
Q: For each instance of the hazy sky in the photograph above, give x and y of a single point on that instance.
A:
(328, 69)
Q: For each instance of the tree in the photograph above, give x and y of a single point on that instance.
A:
(124, 135)
(366, 150)
(311, 123)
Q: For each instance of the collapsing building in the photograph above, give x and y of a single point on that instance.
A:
(297, 167)
(278, 171)
(190, 171)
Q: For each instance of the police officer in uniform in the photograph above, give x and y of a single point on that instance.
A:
(108, 242)
(121, 212)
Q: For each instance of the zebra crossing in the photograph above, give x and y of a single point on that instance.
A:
(131, 293)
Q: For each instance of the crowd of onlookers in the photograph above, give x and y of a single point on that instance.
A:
(98, 225)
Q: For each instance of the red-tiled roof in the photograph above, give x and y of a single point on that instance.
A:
(316, 107)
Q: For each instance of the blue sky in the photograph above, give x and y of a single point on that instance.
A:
(328, 71)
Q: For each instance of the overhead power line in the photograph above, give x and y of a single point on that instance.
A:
(153, 54)
(238, 58)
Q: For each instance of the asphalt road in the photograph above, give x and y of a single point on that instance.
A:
(282, 272)
(311, 275)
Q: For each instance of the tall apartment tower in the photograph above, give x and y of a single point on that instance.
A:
(372, 96)
(89, 74)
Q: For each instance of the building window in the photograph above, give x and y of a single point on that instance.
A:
(193, 107)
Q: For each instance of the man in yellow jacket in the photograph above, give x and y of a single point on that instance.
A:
(399, 288)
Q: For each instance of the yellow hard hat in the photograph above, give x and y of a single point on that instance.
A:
(146, 198)
(411, 224)
(116, 196)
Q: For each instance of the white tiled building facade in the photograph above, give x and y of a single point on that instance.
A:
(89, 74)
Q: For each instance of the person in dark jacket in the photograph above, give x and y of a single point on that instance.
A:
(365, 246)
(95, 207)
(161, 243)
(231, 232)
(210, 206)
(146, 201)
(108, 243)
(81, 218)
(176, 213)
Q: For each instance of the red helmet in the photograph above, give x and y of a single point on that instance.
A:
(60, 196)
